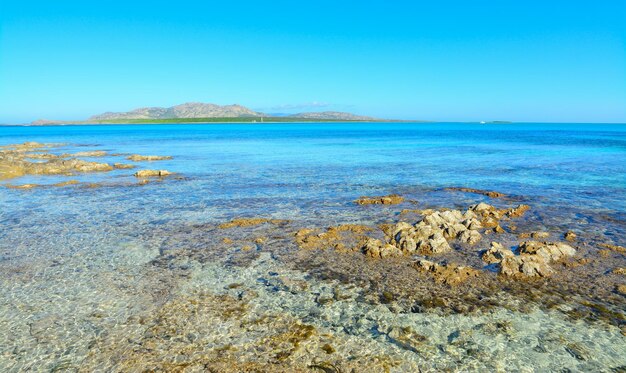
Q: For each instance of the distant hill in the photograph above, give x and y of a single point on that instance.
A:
(197, 112)
(187, 110)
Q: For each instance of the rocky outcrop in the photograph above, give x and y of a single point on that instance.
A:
(14, 162)
(152, 173)
(534, 258)
(431, 235)
(392, 199)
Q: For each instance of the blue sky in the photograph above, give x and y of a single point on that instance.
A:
(434, 60)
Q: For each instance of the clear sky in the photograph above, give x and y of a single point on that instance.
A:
(531, 60)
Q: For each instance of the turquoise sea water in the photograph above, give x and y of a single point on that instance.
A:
(69, 253)
(580, 163)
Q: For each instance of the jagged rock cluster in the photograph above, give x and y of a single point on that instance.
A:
(533, 260)
(431, 234)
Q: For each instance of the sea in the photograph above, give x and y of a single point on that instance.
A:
(114, 275)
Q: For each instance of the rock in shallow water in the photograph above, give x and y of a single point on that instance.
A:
(152, 173)
(533, 259)
(392, 199)
(138, 158)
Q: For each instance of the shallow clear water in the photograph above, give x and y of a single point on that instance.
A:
(77, 264)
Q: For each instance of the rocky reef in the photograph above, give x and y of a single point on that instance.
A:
(33, 158)
(14, 162)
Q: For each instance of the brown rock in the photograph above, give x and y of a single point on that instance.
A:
(539, 235)
(517, 211)
(488, 193)
(346, 237)
(377, 249)
(621, 289)
(392, 199)
(619, 271)
(152, 173)
(525, 266)
(496, 253)
(604, 253)
(65, 183)
(470, 237)
(23, 186)
(450, 274)
(569, 236)
(612, 247)
(549, 251)
(122, 166)
(249, 222)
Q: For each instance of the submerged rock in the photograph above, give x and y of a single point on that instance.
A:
(93, 153)
(122, 166)
(23, 186)
(65, 183)
(345, 237)
(616, 248)
(392, 199)
(488, 193)
(450, 274)
(138, 157)
(249, 222)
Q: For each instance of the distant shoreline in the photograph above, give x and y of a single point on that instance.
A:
(251, 120)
